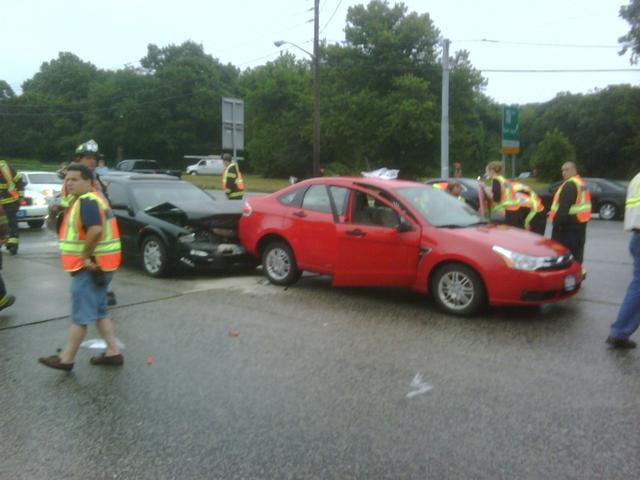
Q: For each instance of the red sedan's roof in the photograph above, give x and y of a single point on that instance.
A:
(376, 182)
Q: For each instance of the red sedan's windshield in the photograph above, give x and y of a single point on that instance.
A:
(439, 208)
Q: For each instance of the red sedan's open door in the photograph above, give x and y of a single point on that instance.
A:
(377, 243)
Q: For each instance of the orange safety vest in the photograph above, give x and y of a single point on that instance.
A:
(237, 180)
(72, 237)
(581, 208)
(508, 200)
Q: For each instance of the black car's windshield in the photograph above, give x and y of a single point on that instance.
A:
(153, 193)
(44, 178)
(439, 208)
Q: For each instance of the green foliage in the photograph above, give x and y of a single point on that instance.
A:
(380, 94)
(631, 41)
(549, 155)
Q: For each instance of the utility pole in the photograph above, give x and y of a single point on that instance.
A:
(444, 123)
(316, 90)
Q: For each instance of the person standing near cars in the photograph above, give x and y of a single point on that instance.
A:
(87, 154)
(503, 197)
(628, 318)
(570, 211)
(89, 243)
(232, 182)
(531, 208)
(6, 300)
(11, 192)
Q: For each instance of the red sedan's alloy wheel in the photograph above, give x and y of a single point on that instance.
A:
(458, 289)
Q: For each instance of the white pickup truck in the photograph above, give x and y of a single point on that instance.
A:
(207, 166)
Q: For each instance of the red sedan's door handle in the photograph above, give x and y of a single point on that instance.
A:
(355, 233)
(300, 214)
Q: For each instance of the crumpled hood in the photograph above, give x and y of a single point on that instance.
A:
(225, 215)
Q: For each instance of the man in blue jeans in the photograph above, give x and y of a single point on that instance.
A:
(629, 315)
(89, 242)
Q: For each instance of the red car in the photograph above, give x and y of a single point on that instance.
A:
(393, 233)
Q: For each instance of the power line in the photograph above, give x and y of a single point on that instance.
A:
(574, 70)
(536, 44)
(331, 17)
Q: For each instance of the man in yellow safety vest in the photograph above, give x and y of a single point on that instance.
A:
(570, 211)
(232, 182)
(89, 242)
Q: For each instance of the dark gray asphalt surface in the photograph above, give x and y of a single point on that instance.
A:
(319, 382)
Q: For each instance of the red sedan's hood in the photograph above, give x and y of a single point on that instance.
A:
(511, 238)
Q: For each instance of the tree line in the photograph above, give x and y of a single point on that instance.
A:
(380, 96)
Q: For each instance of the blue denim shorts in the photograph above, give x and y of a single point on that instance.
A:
(88, 301)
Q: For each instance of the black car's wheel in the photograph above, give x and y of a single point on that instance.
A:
(279, 264)
(155, 260)
(608, 211)
(458, 289)
(35, 223)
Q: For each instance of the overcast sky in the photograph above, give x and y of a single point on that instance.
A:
(114, 33)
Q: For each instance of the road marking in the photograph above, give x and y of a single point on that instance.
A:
(419, 385)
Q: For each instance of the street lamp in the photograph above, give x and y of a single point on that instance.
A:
(316, 103)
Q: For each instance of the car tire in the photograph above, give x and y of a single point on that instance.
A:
(279, 264)
(155, 260)
(193, 172)
(35, 223)
(608, 211)
(458, 289)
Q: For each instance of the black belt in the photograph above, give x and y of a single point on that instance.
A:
(635, 230)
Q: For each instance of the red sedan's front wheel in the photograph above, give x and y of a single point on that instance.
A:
(458, 289)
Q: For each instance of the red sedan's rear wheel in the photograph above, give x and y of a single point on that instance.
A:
(279, 264)
(458, 289)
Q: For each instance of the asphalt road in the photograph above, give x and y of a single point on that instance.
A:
(229, 377)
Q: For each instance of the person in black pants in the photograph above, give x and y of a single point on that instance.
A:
(570, 212)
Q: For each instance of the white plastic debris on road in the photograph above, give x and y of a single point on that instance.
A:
(99, 344)
(382, 173)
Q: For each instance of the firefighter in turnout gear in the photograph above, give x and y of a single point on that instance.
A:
(232, 182)
(6, 300)
(11, 193)
(570, 211)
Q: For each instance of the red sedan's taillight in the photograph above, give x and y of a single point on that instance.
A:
(246, 209)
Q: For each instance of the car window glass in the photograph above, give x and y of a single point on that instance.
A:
(340, 196)
(291, 198)
(117, 194)
(593, 187)
(316, 198)
(366, 210)
(44, 178)
(180, 194)
(439, 208)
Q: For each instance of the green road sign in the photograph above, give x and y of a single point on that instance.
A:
(510, 130)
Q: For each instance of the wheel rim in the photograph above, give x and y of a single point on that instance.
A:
(607, 211)
(152, 255)
(193, 173)
(278, 264)
(455, 290)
